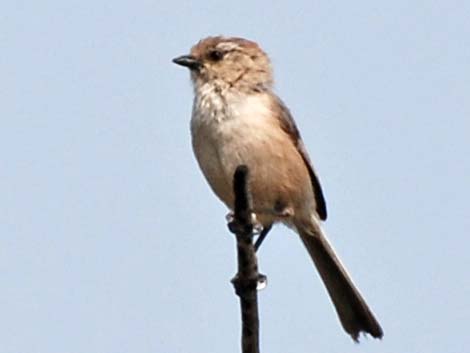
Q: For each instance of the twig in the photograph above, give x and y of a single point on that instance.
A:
(246, 280)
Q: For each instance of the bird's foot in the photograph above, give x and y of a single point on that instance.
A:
(236, 227)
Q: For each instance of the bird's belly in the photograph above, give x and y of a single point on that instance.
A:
(278, 177)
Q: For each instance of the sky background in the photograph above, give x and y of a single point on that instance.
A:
(110, 239)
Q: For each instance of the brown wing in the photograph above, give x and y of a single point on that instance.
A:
(288, 124)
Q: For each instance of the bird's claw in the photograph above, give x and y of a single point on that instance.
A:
(235, 227)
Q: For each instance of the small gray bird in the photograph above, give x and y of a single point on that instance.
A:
(238, 119)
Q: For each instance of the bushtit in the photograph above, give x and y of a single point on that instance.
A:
(238, 119)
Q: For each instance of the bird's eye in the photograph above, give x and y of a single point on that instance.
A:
(216, 55)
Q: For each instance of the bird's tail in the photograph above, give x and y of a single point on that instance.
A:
(353, 312)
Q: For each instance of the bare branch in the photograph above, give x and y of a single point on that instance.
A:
(246, 280)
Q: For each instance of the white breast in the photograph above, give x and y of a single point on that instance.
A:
(226, 130)
(231, 130)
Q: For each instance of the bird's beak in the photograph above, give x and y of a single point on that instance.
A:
(189, 61)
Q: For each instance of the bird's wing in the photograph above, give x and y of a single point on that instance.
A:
(288, 124)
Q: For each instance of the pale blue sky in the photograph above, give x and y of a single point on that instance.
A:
(110, 239)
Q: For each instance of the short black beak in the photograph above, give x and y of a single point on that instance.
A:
(189, 61)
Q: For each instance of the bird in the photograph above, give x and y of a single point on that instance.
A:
(237, 119)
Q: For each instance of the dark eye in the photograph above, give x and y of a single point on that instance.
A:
(216, 55)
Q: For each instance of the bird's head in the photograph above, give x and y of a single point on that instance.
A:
(228, 63)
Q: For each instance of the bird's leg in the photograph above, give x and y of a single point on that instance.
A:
(281, 212)
(261, 237)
